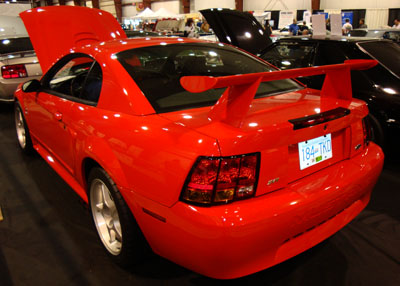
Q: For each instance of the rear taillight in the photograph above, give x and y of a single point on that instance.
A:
(13, 71)
(367, 129)
(215, 180)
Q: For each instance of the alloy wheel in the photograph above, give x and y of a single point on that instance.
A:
(20, 127)
(105, 216)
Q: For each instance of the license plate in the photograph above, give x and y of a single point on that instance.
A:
(315, 151)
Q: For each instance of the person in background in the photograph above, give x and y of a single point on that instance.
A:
(396, 24)
(268, 28)
(347, 27)
(328, 24)
(304, 29)
(293, 28)
(190, 29)
(362, 23)
(205, 27)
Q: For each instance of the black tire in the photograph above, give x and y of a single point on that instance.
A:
(378, 135)
(23, 135)
(133, 246)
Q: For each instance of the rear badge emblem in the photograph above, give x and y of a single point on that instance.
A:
(270, 182)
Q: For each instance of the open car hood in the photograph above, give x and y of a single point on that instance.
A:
(237, 28)
(55, 30)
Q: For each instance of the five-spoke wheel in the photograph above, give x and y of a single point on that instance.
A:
(114, 222)
(105, 216)
(23, 135)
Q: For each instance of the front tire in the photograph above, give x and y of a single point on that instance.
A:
(114, 222)
(23, 135)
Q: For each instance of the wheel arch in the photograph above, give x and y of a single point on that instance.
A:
(98, 153)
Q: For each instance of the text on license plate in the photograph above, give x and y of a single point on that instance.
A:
(315, 151)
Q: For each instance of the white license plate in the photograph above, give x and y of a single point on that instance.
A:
(315, 151)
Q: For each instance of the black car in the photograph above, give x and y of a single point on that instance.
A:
(379, 86)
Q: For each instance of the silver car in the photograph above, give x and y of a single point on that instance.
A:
(18, 61)
(390, 34)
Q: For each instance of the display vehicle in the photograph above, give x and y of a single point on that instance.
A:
(378, 86)
(389, 34)
(18, 62)
(209, 155)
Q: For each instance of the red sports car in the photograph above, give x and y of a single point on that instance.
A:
(217, 160)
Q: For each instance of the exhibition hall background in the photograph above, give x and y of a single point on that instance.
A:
(377, 13)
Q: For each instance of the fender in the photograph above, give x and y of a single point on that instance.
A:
(18, 96)
(98, 150)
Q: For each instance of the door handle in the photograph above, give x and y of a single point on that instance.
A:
(58, 116)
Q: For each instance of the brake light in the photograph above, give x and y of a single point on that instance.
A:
(319, 118)
(216, 180)
(367, 129)
(13, 71)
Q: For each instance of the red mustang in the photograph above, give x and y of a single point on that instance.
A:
(222, 163)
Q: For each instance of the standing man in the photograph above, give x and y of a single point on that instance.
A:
(396, 24)
(347, 27)
(293, 28)
(362, 23)
(304, 29)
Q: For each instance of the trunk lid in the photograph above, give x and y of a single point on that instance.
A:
(266, 129)
(237, 28)
(284, 128)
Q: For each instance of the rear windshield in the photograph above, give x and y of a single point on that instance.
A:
(12, 45)
(386, 53)
(158, 69)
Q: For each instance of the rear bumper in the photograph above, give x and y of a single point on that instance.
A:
(248, 236)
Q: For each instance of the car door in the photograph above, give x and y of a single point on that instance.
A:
(71, 85)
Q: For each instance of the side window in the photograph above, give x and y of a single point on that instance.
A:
(92, 86)
(290, 55)
(79, 78)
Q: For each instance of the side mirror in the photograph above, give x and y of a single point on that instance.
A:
(31, 86)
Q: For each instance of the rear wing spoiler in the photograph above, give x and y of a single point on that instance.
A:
(235, 102)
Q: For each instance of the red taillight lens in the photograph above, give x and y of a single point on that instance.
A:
(367, 130)
(201, 185)
(221, 179)
(247, 177)
(13, 71)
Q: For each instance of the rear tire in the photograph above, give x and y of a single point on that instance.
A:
(23, 135)
(113, 220)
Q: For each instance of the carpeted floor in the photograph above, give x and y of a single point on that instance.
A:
(46, 237)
